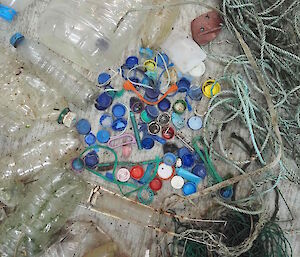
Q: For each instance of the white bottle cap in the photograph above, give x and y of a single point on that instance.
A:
(165, 171)
(177, 182)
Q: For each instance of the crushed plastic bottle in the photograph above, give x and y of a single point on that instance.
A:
(9, 8)
(158, 24)
(41, 214)
(54, 71)
(91, 33)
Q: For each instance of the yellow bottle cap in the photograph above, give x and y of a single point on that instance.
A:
(150, 65)
(207, 88)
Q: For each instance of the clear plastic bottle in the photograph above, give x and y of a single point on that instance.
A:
(58, 146)
(54, 71)
(91, 33)
(158, 24)
(9, 8)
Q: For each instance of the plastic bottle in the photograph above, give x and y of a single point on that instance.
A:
(158, 24)
(9, 8)
(58, 146)
(91, 33)
(54, 71)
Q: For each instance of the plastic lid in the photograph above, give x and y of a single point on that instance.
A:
(119, 124)
(177, 120)
(152, 93)
(154, 128)
(169, 159)
(177, 182)
(188, 160)
(150, 65)
(165, 171)
(132, 61)
(211, 88)
(183, 85)
(226, 192)
(155, 184)
(103, 78)
(104, 100)
(123, 175)
(16, 39)
(164, 119)
(179, 106)
(164, 105)
(106, 120)
(103, 136)
(168, 133)
(146, 52)
(77, 165)
(146, 81)
(182, 151)
(198, 71)
(137, 172)
(195, 93)
(152, 111)
(83, 127)
(118, 110)
(159, 60)
(136, 105)
(195, 123)
(90, 139)
(144, 117)
(7, 13)
(189, 188)
(147, 143)
(199, 170)
(91, 159)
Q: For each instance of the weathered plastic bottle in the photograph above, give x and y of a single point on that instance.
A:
(58, 146)
(9, 8)
(91, 33)
(54, 71)
(158, 24)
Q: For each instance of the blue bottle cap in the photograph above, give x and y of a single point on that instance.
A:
(7, 13)
(164, 105)
(131, 61)
(182, 151)
(103, 78)
(159, 60)
(177, 120)
(152, 93)
(226, 192)
(189, 188)
(118, 110)
(77, 165)
(183, 85)
(146, 52)
(103, 136)
(152, 111)
(16, 39)
(119, 124)
(83, 127)
(150, 99)
(91, 159)
(195, 93)
(106, 120)
(90, 139)
(104, 100)
(199, 170)
(110, 176)
(169, 159)
(136, 105)
(195, 123)
(188, 160)
(146, 81)
(147, 143)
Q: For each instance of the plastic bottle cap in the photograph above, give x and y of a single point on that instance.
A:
(165, 171)
(137, 172)
(150, 65)
(164, 119)
(118, 110)
(83, 127)
(103, 78)
(183, 85)
(136, 105)
(132, 61)
(198, 71)
(199, 170)
(123, 175)
(151, 93)
(182, 151)
(78, 165)
(90, 139)
(147, 143)
(189, 188)
(103, 136)
(146, 81)
(144, 117)
(177, 182)
(195, 93)
(16, 39)
(168, 133)
(195, 123)
(119, 124)
(169, 159)
(152, 111)
(154, 128)
(207, 87)
(104, 101)
(164, 105)
(226, 192)
(155, 184)
(179, 106)
(146, 52)
(91, 159)
(177, 120)
(159, 60)
(106, 120)
(188, 160)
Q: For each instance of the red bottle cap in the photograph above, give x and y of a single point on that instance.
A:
(155, 184)
(137, 172)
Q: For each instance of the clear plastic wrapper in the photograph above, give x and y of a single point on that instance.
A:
(11, 191)
(91, 33)
(42, 213)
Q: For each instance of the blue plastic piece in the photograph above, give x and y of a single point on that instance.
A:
(189, 188)
(182, 151)
(169, 159)
(195, 123)
(189, 106)
(16, 39)
(131, 61)
(147, 174)
(7, 13)
(106, 120)
(83, 127)
(177, 120)
(159, 139)
(103, 78)
(103, 136)
(78, 164)
(119, 124)
(183, 85)
(152, 111)
(146, 81)
(146, 53)
(164, 105)
(195, 93)
(103, 101)
(150, 99)
(90, 139)
(91, 159)
(226, 192)
(188, 160)
(199, 170)
(159, 60)
(118, 110)
(152, 93)
(110, 176)
(188, 175)
(147, 142)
